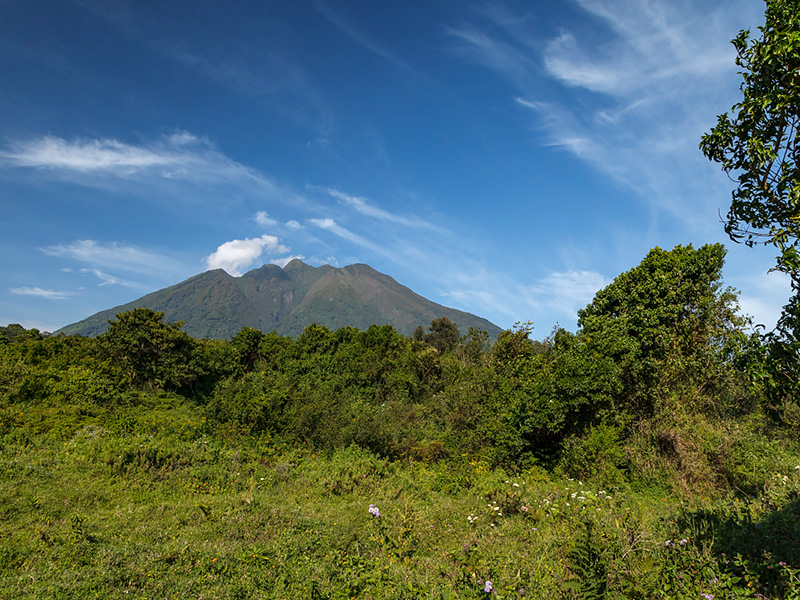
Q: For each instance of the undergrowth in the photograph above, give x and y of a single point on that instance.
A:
(154, 504)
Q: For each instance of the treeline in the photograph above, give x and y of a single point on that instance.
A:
(663, 381)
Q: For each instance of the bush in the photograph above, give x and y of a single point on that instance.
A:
(597, 454)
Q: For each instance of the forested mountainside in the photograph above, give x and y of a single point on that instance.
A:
(217, 305)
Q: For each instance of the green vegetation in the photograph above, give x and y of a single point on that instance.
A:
(640, 457)
(759, 144)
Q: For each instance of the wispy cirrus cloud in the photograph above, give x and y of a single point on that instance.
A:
(514, 64)
(558, 294)
(177, 156)
(329, 224)
(40, 293)
(654, 43)
(263, 219)
(382, 247)
(114, 256)
(362, 39)
(564, 293)
(90, 155)
(364, 207)
(637, 90)
(179, 169)
(105, 278)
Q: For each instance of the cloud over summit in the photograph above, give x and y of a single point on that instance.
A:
(236, 255)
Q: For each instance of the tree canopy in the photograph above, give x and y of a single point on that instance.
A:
(758, 141)
(664, 322)
(151, 352)
(758, 145)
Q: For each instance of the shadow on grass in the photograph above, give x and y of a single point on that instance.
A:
(763, 533)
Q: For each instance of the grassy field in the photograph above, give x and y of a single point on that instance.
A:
(154, 504)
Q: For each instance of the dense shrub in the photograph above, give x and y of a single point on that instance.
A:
(645, 388)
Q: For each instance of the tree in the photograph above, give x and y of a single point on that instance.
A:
(151, 352)
(544, 394)
(759, 145)
(247, 346)
(513, 343)
(665, 323)
(475, 344)
(444, 334)
(16, 332)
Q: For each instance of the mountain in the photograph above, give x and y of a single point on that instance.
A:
(217, 305)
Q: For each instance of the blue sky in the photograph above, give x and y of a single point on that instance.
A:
(504, 158)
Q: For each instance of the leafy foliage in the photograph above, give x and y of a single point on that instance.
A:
(150, 352)
(246, 467)
(16, 332)
(444, 334)
(588, 565)
(543, 396)
(667, 324)
(662, 341)
(759, 145)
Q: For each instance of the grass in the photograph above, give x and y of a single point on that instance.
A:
(152, 504)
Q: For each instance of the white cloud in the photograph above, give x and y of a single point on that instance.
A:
(181, 156)
(105, 278)
(550, 300)
(326, 223)
(282, 262)
(472, 295)
(235, 255)
(499, 56)
(293, 225)
(263, 219)
(564, 293)
(114, 256)
(331, 225)
(660, 78)
(41, 293)
(570, 137)
(362, 206)
(638, 91)
(176, 172)
(94, 155)
(652, 45)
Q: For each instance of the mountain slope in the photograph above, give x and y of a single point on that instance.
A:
(217, 305)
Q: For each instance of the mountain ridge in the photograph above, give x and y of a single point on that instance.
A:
(217, 305)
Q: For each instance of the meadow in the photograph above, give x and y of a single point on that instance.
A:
(652, 454)
(164, 508)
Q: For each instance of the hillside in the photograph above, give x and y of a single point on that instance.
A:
(217, 305)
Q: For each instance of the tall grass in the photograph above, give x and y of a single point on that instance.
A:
(152, 504)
